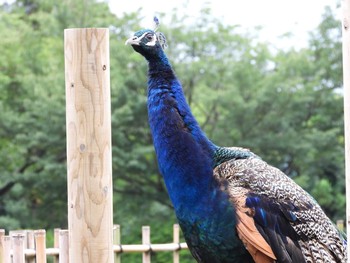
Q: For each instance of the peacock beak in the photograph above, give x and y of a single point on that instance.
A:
(134, 40)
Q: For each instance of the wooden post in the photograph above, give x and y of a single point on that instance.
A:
(176, 240)
(346, 83)
(56, 242)
(116, 241)
(40, 245)
(63, 246)
(2, 234)
(89, 155)
(30, 245)
(146, 240)
(18, 247)
(6, 244)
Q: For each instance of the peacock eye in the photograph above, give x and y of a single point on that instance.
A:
(149, 36)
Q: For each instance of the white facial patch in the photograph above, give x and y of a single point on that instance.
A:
(138, 39)
(153, 41)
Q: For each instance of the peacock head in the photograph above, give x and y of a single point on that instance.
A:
(148, 42)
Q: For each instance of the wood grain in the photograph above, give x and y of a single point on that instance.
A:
(6, 244)
(40, 245)
(89, 158)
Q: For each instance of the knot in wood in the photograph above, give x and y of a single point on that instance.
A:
(82, 147)
(346, 24)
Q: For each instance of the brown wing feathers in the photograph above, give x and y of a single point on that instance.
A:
(252, 239)
(281, 222)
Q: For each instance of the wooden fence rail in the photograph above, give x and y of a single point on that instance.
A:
(29, 246)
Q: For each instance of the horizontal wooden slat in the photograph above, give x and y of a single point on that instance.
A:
(121, 248)
(49, 252)
(151, 247)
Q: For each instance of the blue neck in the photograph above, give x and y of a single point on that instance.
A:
(185, 154)
(186, 160)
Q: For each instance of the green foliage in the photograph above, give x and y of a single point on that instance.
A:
(285, 105)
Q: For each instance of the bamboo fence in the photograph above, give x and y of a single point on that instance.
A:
(29, 246)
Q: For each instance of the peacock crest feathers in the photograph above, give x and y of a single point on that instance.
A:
(160, 36)
(149, 43)
(156, 23)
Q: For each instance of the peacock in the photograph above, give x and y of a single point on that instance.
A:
(230, 204)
